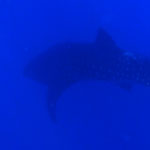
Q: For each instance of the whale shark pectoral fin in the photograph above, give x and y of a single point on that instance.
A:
(54, 93)
(52, 109)
(126, 86)
(53, 96)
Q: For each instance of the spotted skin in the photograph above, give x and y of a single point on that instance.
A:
(68, 63)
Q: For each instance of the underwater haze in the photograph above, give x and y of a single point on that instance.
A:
(90, 115)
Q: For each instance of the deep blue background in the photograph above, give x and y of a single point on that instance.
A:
(93, 115)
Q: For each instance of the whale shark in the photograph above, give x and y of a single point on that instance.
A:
(65, 64)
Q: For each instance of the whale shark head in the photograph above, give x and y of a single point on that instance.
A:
(67, 63)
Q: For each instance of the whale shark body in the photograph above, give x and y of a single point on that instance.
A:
(67, 63)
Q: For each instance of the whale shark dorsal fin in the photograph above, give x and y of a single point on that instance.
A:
(104, 40)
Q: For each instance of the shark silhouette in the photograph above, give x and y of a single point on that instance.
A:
(65, 64)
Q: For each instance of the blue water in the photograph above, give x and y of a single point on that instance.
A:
(91, 116)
